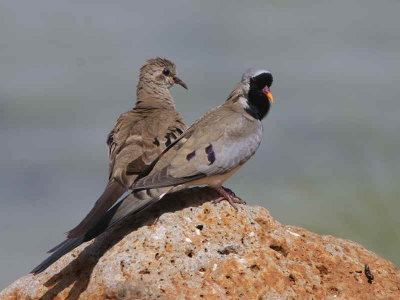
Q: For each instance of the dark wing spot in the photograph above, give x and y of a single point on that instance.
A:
(168, 142)
(156, 142)
(191, 155)
(210, 154)
(180, 131)
(170, 138)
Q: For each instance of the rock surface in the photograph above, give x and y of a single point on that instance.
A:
(201, 250)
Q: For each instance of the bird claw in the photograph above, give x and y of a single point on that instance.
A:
(228, 195)
(236, 198)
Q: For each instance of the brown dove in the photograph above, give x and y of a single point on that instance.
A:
(139, 136)
(137, 139)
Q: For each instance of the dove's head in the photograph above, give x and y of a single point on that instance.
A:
(159, 73)
(258, 79)
(256, 85)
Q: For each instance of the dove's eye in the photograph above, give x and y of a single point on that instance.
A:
(166, 72)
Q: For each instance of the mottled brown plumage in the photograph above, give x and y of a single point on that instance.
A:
(139, 135)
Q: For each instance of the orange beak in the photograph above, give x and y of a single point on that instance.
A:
(268, 93)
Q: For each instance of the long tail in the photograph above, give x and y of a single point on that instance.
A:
(127, 207)
(62, 249)
(111, 194)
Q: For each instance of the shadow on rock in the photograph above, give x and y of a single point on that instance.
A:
(79, 271)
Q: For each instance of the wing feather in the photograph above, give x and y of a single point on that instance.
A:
(138, 138)
(219, 141)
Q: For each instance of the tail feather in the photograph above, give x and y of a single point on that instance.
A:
(127, 207)
(61, 249)
(111, 194)
(58, 246)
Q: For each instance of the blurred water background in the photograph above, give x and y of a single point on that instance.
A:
(330, 159)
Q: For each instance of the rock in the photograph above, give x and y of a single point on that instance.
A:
(201, 250)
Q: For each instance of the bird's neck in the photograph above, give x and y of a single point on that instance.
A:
(259, 104)
(152, 96)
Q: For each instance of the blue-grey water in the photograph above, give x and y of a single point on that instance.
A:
(330, 158)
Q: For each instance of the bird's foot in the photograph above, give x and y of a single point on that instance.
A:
(228, 195)
(232, 193)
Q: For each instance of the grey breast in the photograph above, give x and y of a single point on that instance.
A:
(238, 144)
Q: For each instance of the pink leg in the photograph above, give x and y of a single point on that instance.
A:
(227, 194)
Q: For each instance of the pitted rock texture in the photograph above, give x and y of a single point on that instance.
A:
(201, 250)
